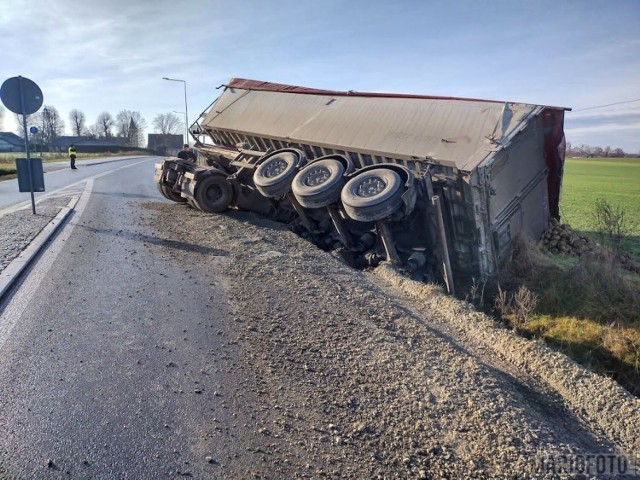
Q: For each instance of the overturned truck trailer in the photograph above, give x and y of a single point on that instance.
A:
(440, 186)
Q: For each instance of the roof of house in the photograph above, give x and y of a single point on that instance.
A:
(458, 132)
(168, 140)
(12, 139)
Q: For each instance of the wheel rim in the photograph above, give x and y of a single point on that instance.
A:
(275, 168)
(317, 176)
(371, 187)
(214, 193)
(375, 195)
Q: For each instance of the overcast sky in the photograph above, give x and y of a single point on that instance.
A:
(112, 54)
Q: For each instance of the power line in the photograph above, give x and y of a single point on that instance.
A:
(607, 105)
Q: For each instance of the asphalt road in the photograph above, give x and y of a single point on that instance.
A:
(57, 176)
(112, 353)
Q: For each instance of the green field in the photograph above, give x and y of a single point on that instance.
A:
(10, 158)
(617, 180)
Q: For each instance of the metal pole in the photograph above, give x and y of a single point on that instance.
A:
(304, 218)
(342, 231)
(186, 114)
(444, 250)
(186, 111)
(26, 144)
(387, 242)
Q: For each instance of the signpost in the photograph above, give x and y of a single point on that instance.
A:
(22, 96)
(30, 175)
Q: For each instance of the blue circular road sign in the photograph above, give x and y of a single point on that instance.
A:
(21, 95)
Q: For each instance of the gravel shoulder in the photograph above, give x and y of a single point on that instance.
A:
(19, 228)
(369, 375)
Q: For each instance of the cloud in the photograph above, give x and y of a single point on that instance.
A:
(605, 128)
(111, 55)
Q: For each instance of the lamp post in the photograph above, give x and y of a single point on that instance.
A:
(186, 115)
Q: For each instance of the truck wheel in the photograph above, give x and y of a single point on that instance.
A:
(213, 194)
(168, 192)
(319, 184)
(274, 175)
(161, 190)
(372, 195)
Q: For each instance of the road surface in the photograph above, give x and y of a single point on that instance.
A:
(57, 176)
(107, 350)
(154, 341)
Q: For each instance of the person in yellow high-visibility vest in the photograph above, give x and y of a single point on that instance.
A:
(72, 156)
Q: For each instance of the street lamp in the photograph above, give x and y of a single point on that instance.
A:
(186, 115)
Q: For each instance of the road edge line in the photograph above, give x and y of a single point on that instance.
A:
(13, 271)
(26, 203)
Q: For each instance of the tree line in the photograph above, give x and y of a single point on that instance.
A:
(126, 128)
(594, 152)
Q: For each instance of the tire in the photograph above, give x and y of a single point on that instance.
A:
(372, 195)
(213, 194)
(319, 184)
(164, 188)
(161, 190)
(170, 194)
(274, 175)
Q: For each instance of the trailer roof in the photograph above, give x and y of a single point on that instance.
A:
(281, 87)
(457, 132)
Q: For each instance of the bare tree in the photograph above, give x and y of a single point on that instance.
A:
(617, 152)
(131, 125)
(167, 124)
(93, 131)
(48, 121)
(52, 123)
(20, 129)
(589, 152)
(104, 124)
(78, 120)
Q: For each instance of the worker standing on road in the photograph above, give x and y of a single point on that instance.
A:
(186, 154)
(72, 156)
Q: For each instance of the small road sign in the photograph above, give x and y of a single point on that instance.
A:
(30, 174)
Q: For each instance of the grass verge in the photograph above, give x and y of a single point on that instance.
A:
(588, 308)
(7, 171)
(10, 158)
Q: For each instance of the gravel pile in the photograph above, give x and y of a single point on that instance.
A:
(366, 375)
(21, 227)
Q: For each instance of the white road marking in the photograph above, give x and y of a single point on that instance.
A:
(61, 191)
(15, 307)
(20, 300)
